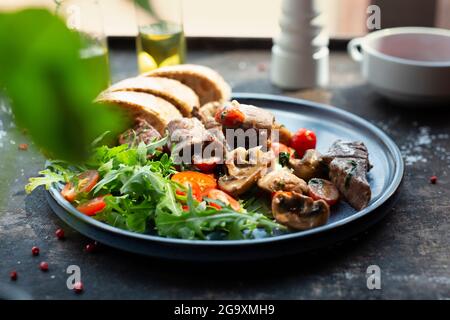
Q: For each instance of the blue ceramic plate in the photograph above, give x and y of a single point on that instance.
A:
(330, 124)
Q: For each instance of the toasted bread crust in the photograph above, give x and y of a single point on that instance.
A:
(178, 94)
(207, 83)
(157, 111)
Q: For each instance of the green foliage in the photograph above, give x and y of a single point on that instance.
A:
(50, 88)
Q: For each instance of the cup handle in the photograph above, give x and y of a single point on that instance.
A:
(354, 49)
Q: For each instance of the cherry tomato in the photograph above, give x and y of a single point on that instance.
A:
(217, 194)
(230, 116)
(303, 140)
(206, 165)
(204, 181)
(86, 181)
(195, 188)
(323, 189)
(278, 147)
(69, 192)
(93, 206)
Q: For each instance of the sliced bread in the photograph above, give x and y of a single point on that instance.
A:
(207, 83)
(178, 94)
(157, 111)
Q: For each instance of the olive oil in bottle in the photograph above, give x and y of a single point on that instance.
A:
(95, 58)
(160, 44)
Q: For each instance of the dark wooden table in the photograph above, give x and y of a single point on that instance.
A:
(411, 245)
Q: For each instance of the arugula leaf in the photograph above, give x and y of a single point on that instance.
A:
(48, 178)
(201, 220)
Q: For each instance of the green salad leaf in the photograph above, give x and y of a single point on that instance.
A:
(140, 196)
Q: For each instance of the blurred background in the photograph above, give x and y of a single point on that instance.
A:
(218, 18)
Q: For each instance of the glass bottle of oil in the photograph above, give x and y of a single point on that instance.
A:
(85, 17)
(160, 40)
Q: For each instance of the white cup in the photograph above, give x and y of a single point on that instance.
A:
(410, 64)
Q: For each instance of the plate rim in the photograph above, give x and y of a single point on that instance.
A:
(392, 188)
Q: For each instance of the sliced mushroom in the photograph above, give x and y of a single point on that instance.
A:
(244, 169)
(299, 212)
(310, 166)
(282, 180)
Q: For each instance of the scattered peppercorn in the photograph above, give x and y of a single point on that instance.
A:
(13, 275)
(43, 266)
(91, 247)
(35, 251)
(78, 287)
(60, 234)
(23, 146)
(433, 179)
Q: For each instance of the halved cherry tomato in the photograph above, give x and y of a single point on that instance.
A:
(69, 192)
(278, 147)
(93, 206)
(86, 181)
(195, 188)
(303, 140)
(230, 116)
(323, 189)
(204, 181)
(217, 194)
(206, 165)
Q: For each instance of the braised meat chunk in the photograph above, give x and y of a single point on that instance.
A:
(299, 212)
(141, 132)
(282, 180)
(349, 163)
(346, 149)
(189, 141)
(206, 114)
(236, 115)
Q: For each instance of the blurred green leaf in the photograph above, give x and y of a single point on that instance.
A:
(50, 88)
(145, 4)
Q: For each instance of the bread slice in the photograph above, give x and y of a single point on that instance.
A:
(207, 83)
(157, 111)
(181, 96)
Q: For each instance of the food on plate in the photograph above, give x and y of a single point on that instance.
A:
(188, 139)
(349, 163)
(236, 115)
(298, 211)
(243, 169)
(207, 83)
(309, 166)
(206, 114)
(141, 132)
(282, 180)
(284, 134)
(302, 141)
(156, 111)
(321, 189)
(181, 96)
(180, 174)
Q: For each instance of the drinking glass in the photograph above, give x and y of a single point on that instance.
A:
(160, 41)
(85, 17)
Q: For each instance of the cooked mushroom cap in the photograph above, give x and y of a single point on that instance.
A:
(298, 211)
(282, 180)
(244, 169)
(310, 166)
